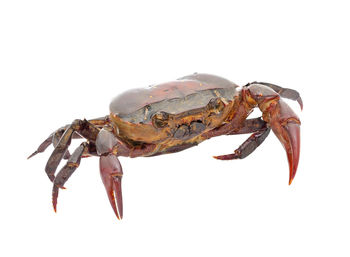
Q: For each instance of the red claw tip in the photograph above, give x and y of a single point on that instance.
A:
(286, 126)
(290, 181)
(111, 174)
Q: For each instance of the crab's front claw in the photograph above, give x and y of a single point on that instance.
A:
(111, 174)
(280, 117)
(286, 126)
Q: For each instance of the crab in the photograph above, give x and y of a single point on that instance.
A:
(171, 117)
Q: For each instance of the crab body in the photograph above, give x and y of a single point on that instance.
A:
(173, 114)
(171, 117)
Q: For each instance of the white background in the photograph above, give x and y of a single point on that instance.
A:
(61, 60)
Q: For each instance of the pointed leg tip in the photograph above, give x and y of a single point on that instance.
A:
(54, 204)
(226, 157)
(220, 157)
(30, 156)
(55, 190)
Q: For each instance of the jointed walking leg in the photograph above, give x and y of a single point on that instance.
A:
(67, 170)
(248, 146)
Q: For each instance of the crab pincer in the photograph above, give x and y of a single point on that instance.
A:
(280, 117)
(286, 126)
(111, 173)
(110, 170)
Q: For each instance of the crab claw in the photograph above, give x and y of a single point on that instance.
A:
(111, 174)
(286, 126)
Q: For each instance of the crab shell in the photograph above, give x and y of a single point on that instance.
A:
(174, 112)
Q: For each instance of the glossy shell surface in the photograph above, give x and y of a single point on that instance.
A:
(179, 96)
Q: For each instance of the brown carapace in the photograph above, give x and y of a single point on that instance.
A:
(171, 117)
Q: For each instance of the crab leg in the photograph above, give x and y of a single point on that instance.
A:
(84, 128)
(248, 146)
(111, 174)
(250, 126)
(42, 147)
(53, 139)
(64, 174)
(56, 136)
(280, 117)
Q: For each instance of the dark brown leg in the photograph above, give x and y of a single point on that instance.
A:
(84, 128)
(54, 139)
(56, 136)
(250, 126)
(235, 128)
(64, 174)
(284, 92)
(43, 146)
(248, 146)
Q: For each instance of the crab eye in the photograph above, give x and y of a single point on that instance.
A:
(160, 119)
(215, 105)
